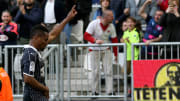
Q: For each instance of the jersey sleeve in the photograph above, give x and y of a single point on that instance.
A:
(29, 63)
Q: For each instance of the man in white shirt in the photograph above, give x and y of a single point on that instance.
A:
(101, 31)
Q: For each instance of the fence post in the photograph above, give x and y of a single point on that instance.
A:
(132, 81)
(6, 59)
(57, 70)
(125, 72)
(61, 73)
(68, 73)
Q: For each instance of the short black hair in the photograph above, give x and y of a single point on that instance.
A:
(6, 11)
(38, 30)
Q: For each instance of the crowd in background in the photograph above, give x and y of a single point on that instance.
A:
(27, 13)
(115, 21)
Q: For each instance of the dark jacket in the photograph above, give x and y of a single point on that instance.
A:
(83, 8)
(118, 6)
(171, 24)
(59, 9)
(27, 21)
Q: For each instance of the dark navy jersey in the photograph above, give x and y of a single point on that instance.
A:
(32, 65)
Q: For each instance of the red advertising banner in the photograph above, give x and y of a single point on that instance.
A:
(156, 80)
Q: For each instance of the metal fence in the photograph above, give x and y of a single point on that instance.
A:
(77, 82)
(53, 57)
(80, 70)
(154, 51)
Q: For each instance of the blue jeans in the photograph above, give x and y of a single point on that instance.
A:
(67, 30)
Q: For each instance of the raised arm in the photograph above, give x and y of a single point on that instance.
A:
(59, 27)
(141, 12)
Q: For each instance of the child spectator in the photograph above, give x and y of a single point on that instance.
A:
(131, 35)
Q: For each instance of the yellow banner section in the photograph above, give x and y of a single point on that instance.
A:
(157, 94)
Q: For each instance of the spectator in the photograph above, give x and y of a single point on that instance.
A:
(133, 6)
(153, 31)
(8, 36)
(100, 31)
(131, 35)
(32, 64)
(105, 4)
(8, 30)
(53, 12)
(3, 6)
(118, 7)
(14, 6)
(169, 22)
(28, 16)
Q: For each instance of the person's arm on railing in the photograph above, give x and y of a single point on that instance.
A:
(141, 12)
(154, 40)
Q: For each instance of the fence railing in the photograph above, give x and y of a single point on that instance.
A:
(53, 58)
(154, 51)
(78, 80)
(92, 67)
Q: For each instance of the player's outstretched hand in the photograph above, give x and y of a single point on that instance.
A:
(72, 13)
